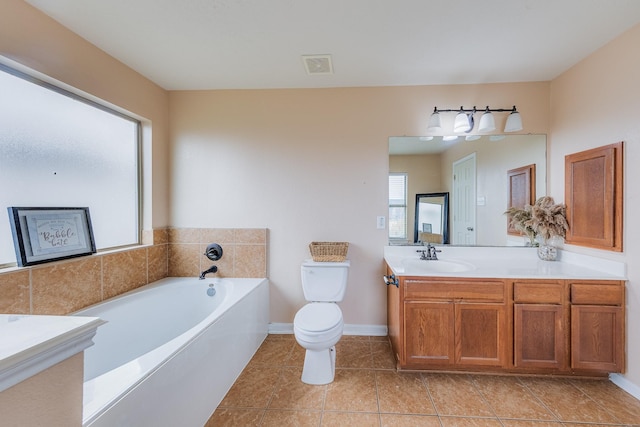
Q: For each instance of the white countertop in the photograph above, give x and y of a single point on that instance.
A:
(509, 262)
(31, 344)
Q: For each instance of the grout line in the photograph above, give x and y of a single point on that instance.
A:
(535, 396)
(425, 384)
(484, 399)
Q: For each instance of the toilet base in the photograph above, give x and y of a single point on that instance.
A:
(319, 366)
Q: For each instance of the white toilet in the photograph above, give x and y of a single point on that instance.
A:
(318, 325)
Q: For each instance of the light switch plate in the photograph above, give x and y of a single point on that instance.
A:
(382, 222)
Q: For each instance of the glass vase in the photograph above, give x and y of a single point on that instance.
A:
(548, 248)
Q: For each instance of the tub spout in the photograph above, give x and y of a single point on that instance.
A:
(211, 269)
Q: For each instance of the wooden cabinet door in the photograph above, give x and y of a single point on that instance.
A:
(428, 333)
(597, 338)
(538, 333)
(480, 334)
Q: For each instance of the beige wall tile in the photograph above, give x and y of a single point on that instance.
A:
(251, 235)
(67, 286)
(217, 235)
(147, 237)
(184, 235)
(123, 271)
(160, 236)
(184, 260)
(14, 293)
(157, 262)
(250, 261)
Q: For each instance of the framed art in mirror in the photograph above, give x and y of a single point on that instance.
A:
(45, 234)
(593, 192)
(522, 190)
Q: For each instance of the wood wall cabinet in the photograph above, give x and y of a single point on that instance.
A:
(594, 197)
(500, 325)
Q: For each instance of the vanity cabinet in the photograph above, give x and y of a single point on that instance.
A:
(550, 326)
(451, 323)
(597, 326)
(539, 324)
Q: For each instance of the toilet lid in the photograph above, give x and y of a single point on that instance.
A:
(318, 317)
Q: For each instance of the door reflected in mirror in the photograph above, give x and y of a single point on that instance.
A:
(432, 218)
(428, 163)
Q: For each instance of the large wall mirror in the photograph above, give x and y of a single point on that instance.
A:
(475, 174)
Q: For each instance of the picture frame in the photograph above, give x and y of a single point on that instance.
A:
(45, 234)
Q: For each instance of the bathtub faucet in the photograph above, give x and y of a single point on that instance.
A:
(211, 269)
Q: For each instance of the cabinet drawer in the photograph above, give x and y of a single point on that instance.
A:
(538, 292)
(482, 291)
(601, 294)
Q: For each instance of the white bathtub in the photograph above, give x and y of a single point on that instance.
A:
(170, 352)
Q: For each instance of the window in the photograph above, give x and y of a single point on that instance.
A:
(397, 206)
(58, 149)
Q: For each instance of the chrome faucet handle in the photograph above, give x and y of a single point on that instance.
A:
(423, 254)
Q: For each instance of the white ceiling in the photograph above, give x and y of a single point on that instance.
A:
(248, 44)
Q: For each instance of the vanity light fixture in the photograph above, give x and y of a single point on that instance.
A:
(464, 120)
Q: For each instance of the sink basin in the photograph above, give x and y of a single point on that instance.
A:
(418, 266)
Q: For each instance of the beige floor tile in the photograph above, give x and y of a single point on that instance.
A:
(354, 353)
(297, 356)
(352, 390)
(469, 422)
(291, 393)
(225, 417)
(455, 394)
(350, 419)
(403, 393)
(382, 355)
(509, 398)
(275, 352)
(567, 402)
(396, 420)
(362, 338)
(254, 387)
(621, 404)
(525, 423)
(287, 418)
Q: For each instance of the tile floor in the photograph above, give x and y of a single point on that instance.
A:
(367, 391)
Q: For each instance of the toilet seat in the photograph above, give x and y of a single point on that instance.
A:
(318, 317)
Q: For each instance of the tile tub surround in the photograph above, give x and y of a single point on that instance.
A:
(63, 287)
(368, 391)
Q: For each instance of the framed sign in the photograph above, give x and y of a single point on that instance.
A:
(43, 234)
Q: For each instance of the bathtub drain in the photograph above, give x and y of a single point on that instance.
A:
(211, 291)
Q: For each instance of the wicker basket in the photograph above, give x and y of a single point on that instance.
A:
(329, 251)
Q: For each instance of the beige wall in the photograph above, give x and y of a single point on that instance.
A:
(310, 165)
(36, 41)
(596, 103)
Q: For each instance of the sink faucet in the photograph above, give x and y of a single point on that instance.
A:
(211, 269)
(430, 253)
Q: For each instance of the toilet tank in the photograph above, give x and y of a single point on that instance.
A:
(324, 281)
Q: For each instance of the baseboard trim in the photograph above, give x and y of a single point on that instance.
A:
(349, 329)
(625, 384)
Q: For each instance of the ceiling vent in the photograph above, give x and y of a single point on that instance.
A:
(317, 64)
